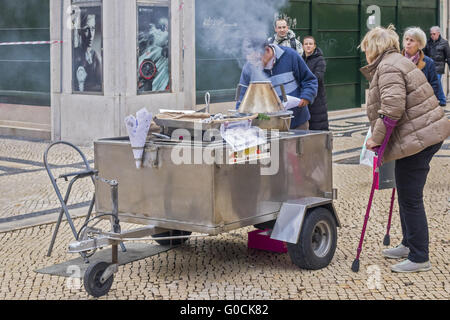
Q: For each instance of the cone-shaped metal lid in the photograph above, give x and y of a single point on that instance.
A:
(260, 97)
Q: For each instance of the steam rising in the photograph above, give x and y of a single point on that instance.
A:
(235, 29)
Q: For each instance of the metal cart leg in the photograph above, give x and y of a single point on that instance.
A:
(63, 210)
(115, 211)
(76, 175)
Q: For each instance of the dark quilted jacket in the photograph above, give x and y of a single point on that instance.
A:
(439, 51)
(319, 109)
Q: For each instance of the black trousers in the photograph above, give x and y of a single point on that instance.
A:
(411, 175)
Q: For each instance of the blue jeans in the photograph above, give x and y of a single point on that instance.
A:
(441, 97)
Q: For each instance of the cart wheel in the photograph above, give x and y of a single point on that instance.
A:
(317, 242)
(173, 233)
(92, 282)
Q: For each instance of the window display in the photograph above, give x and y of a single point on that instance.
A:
(153, 65)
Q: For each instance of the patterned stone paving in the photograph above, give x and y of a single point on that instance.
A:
(221, 267)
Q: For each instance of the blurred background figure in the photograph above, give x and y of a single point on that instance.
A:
(315, 61)
(285, 37)
(414, 40)
(437, 48)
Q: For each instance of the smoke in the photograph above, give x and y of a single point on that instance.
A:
(235, 29)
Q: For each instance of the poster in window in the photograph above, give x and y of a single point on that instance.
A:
(87, 48)
(153, 39)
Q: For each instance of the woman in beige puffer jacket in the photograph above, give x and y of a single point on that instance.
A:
(400, 91)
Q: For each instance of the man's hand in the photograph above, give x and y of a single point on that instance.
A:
(303, 103)
(370, 144)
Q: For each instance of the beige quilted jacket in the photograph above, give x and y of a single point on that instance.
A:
(400, 91)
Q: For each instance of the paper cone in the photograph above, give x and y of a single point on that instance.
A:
(137, 131)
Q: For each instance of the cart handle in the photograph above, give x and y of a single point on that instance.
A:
(79, 174)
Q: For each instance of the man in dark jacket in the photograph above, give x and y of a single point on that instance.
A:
(283, 65)
(438, 49)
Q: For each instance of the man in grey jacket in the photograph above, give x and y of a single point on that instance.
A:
(438, 49)
(285, 37)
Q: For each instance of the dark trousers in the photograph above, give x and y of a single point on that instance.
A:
(411, 175)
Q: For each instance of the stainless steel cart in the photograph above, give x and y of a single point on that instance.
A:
(203, 187)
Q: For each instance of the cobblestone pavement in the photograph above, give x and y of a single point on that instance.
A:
(221, 267)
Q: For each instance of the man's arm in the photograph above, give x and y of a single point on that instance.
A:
(243, 83)
(447, 53)
(306, 80)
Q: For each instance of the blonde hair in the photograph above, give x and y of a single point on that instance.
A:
(417, 34)
(379, 40)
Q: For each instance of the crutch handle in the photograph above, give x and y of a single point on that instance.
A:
(390, 125)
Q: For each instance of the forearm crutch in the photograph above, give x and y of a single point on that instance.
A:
(387, 238)
(390, 125)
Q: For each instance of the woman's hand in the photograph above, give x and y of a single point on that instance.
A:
(371, 145)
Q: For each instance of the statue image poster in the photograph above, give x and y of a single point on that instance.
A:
(87, 50)
(153, 39)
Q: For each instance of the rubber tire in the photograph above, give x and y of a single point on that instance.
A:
(175, 242)
(92, 279)
(302, 253)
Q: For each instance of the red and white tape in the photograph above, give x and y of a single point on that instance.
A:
(28, 42)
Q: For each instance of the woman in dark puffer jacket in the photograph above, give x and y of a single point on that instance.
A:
(313, 57)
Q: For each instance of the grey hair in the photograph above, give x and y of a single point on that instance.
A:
(417, 34)
(436, 28)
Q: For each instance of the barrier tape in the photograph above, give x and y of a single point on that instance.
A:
(28, 42)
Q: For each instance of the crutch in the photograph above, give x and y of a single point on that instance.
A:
(390, 125)
(387, 238)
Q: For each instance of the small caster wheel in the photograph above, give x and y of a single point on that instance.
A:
(92, 282)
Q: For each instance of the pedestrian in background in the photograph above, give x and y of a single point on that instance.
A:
(315, 61)
(414, 40)
(437, 48)
(400, 91)
(285, 37)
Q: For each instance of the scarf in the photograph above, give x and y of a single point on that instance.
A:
(415, 58)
